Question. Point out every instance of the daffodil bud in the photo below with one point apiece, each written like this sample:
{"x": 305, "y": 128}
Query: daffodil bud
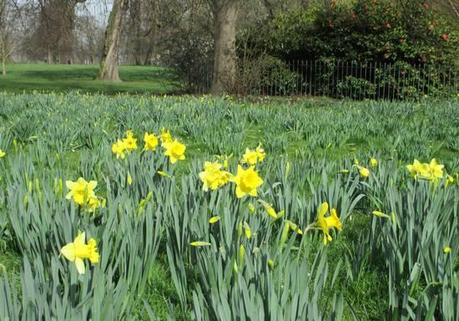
{"x": 241, "y": 255}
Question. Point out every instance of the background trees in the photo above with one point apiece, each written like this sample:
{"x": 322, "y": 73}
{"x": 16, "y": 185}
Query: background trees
{"x": 203, "y": 39}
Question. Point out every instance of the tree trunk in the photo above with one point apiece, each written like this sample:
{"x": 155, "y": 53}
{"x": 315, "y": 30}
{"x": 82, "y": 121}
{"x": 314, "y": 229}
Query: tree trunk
{"x": 3, "y": 61}
{"x": 225, "y": 47}
{"x": 50, "y": 55}
{"x": 453, "y": 6}
{"x": 109, "y": 63}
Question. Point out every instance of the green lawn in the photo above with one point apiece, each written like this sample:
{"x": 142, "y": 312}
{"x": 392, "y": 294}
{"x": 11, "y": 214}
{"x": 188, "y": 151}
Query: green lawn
{"x": 62, "y": 78}
{"x": 388, "y": 267}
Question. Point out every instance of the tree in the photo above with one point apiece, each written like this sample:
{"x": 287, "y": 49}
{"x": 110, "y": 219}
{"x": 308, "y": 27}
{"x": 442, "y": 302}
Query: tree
{"x": 9, "y": 16}
{"x": 55, "y": 32}
{"x": 224, "y": 73}
{"x": 109, "y": 62}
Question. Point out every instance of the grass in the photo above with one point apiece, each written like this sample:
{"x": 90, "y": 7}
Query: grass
{"x": 63, "y": 136}
{"x": 62, "y": 78}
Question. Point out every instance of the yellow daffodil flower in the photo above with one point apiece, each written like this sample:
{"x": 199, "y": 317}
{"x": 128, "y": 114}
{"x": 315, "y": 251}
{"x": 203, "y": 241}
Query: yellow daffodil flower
{"x": 95, "y": 202}
{"x": 2, "y": 153}
{"x": 435, "y": 170}
{"x": 417, "y": 169}
{"x": 150, "y": 141}
{"x": 130, "y": 141}
{"x": 214, "y": 219}
{"x": 81, "y": 190}
{"x": 247, "y": 231}
{"x": 213, "y": 176}
{"x": 329, "y": 222}
{"x": 432, "y": 171}
{"x": 165, "y": 136}
{"x": 447, "y": 249}
{"x": 175, "y": 151}
{"x": 260, "y": 153}
{"x": 119, "y": 149}
{"x": 247, "y": 181}
{"x": 373, "y": 162}
{"x": 252, "y": 157}
{"x": 364, "y": 172}
{"x": 77, "y": 251}
{"x": 129, "y": 179}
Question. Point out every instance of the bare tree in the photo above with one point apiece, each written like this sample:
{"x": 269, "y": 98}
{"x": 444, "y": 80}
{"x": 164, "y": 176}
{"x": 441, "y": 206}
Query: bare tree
{"x": 55, "y": 31}
{"x": 109, "y": 63}
{"x": 9, "y": 16}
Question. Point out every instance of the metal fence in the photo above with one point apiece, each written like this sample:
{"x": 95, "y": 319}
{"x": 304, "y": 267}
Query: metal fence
{"x": 339, "y": 79}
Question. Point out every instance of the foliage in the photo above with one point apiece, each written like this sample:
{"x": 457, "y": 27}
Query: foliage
{"x": 407, "y": 36}
{"x": 312, "y": 149}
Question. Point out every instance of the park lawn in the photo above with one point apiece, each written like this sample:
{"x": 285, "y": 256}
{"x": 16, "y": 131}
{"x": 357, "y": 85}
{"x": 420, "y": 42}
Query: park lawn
{"x": 49, "y": 137}
{"x": 62, "y": 78}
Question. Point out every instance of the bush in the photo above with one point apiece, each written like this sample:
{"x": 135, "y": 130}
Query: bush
{"x": 266, "y": 75}
{"x": 406, "y": 35}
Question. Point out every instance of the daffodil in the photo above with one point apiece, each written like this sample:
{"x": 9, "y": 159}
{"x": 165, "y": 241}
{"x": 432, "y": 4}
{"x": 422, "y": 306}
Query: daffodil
{"x": 163, "y": 174}
{"x": 435, "y": 170}
{"x": 129, "y": 179}
{"x": 95, "y": 202}
{"x": 165, "y": 136}
{"x": 432, "y": 171}
{"x": 214, "y": 219}
{"x": 260, "y": 153}
{"x": 241, "y": 256}
{"x": 271, "y": 211}
{"x": 175, "y": 151}
{"x": 130, "y": 141}
{"x": 447, "y": 249}
{"x": 252, "y": 157}
{"x": 417, "y": 169}
{"x": 150, "y": 141}
{"x": 380, "y": 214}
{"x": 78, "y": 250}
{"x": 247, "y": 231}
{"x": 329, "y": 222}
{"x": 364, "y": 172}
{"x": 289, "y": 226}
{"x": 247, "y": 181}
{"x": 373, "y": 162}
{"x": 119, "y": 149}
{"x": 449, "y": 180}
{"x": 199, "y": 243}
{"x": 81, "y": 191}
{"x": 2, "y": 153}
{"x": 213, "y": 176}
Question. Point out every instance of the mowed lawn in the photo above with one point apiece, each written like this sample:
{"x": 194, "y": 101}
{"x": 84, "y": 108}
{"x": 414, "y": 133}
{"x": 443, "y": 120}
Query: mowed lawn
{"x": 62, "y": 78}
